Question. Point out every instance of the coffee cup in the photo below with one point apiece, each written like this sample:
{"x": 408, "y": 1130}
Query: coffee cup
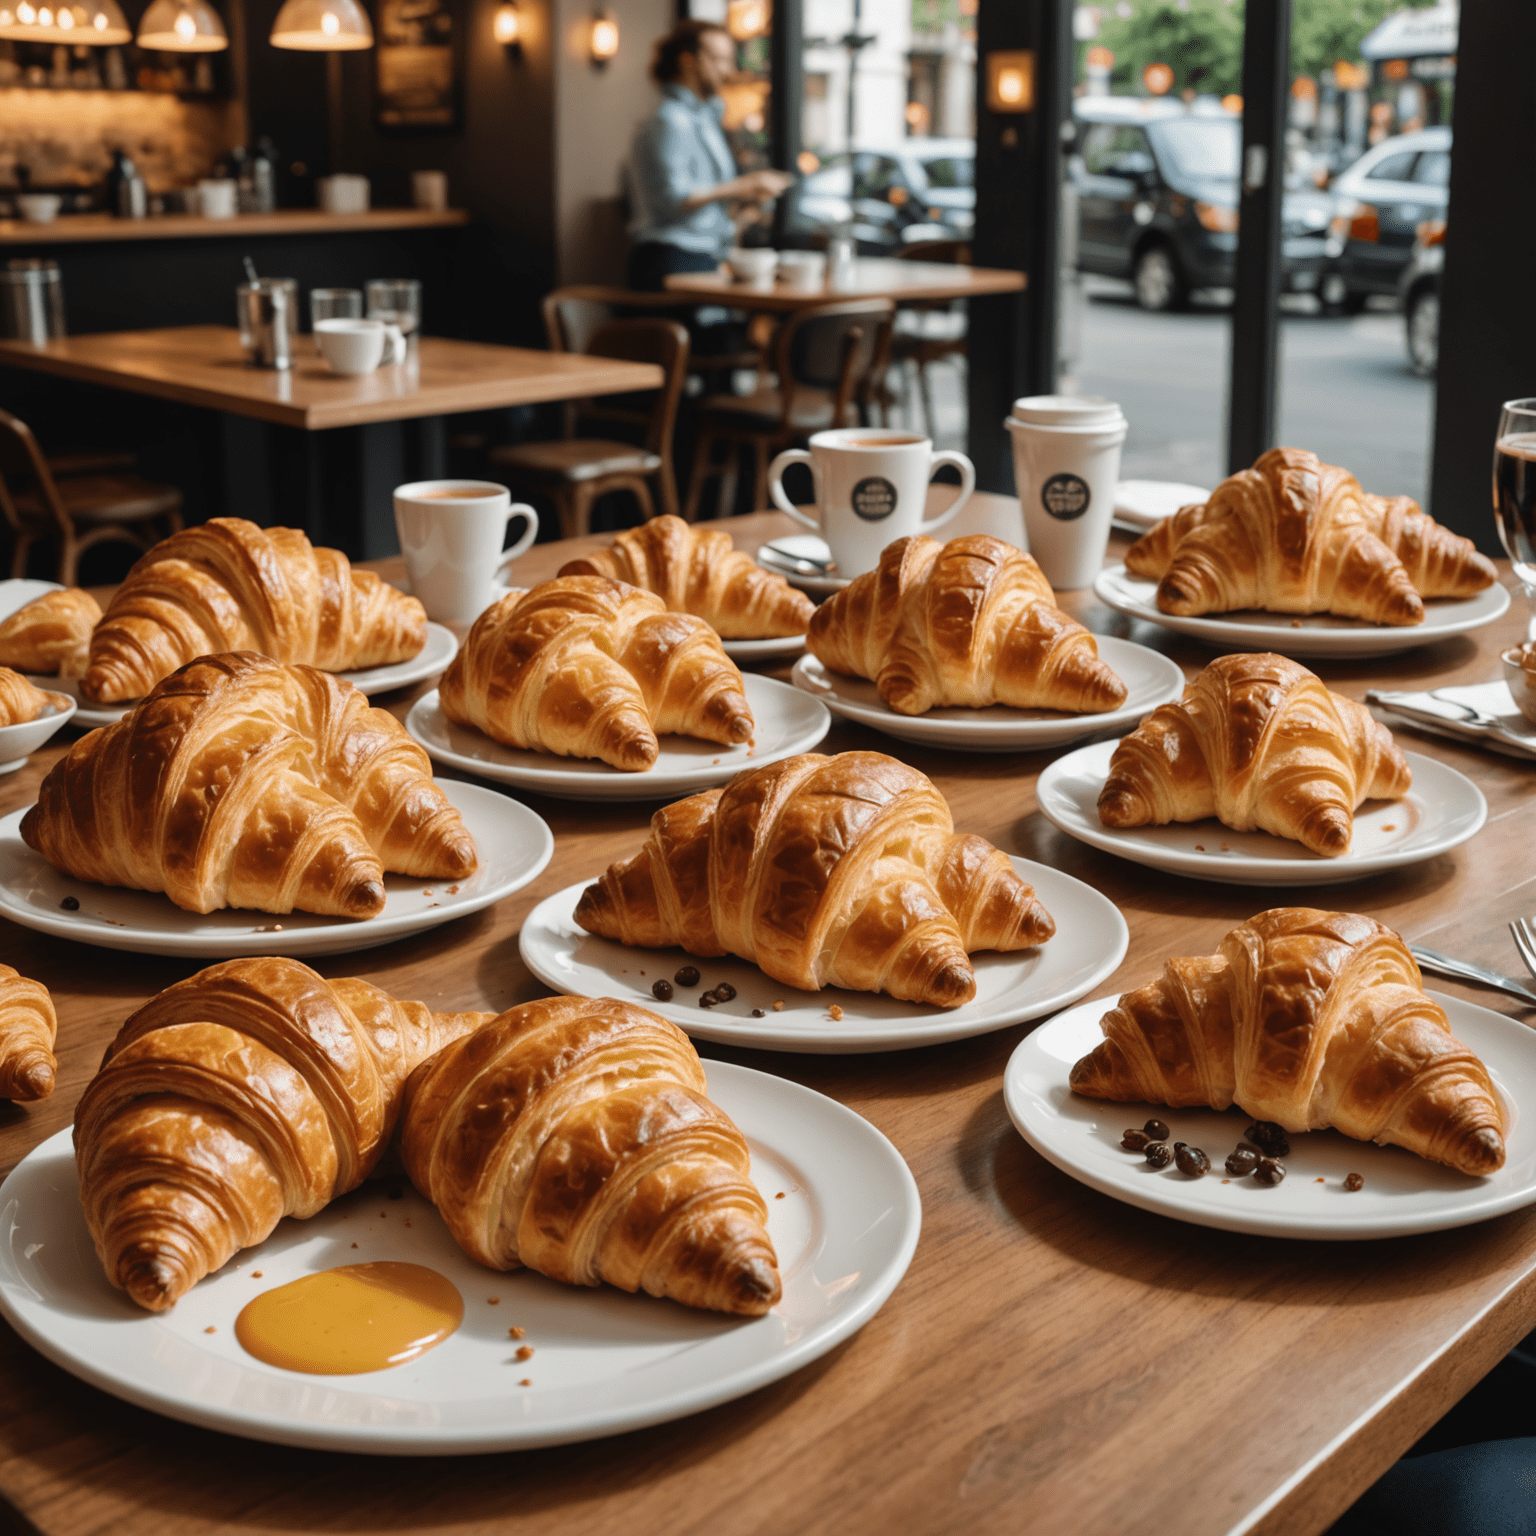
{"x": 1066, "y": 464}
{"x": 871, "y": 489}
{"x": 358, "y": 346}
{"x": 751, "y": 265}
{"x": 804, "y": 270}
{"x": 451, "y": 533}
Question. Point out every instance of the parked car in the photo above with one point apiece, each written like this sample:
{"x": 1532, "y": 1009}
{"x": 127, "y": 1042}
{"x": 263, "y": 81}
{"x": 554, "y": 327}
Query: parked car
{"x": 1419, "y": 288}
{"x": 1158, "y": 195}
{"x": 1383, "y": 199}
{"x": 923, "y": 189}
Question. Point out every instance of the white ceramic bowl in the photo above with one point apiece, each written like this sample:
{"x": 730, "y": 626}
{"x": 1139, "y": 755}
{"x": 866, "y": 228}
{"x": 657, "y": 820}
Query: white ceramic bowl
{"x": 752, "y": 266}
{"x": 19, "y": 742}
{"x": 1522, "y": 684}
{"x": 39, "y": 207}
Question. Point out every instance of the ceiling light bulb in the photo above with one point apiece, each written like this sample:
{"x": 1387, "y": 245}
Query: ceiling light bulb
{"x": 25, "y": 14}
{"x": 508, "y": 25}
{"x": 186, "y": 27}
{"x": 45, "y": 17}
{"x": 66, "y": 19}
{"x": 329, "y": 24}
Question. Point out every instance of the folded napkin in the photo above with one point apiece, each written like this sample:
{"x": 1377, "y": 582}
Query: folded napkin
{"x": 1483, "y": 713}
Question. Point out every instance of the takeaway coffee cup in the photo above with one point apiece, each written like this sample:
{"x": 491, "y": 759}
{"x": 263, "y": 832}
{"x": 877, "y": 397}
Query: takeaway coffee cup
{"x": 871, "y": 489}
{"x": 1066, "y": 463}
{"x": 451, "y": 533}
{"x": 359, "y": 346}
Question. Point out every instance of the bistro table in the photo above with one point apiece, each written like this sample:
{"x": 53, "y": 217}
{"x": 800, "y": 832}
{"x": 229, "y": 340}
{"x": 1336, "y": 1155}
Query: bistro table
{"x": 873, "y": 277}
{"x": 1054, "y": 1361}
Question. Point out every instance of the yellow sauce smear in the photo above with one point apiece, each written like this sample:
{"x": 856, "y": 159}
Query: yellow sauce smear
{"x": 360, "y": 1317}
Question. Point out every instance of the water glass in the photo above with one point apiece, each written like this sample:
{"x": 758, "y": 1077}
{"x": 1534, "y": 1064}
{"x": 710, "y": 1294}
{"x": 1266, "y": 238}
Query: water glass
{"x": 334, "y": 304}
{"x": 1514, "y": 491}
{"x": 396, "y": 300}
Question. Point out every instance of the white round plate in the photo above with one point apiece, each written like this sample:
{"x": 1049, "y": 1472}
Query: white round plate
{"x": 810, "y": 546}
{"x": 787, "y": 722}
{"x": 21, "y": 590}
{"x": 764, "y": 650}
{"x": 1403, "y": 1193}
{"x": 604, "y": 1361}
{"x": 434, "y": 656}
{"x": 1146, "y": 503}
{"x": 1151, "y": 679}
{"x": 19, "y": 742}
{"x": 514, "y": 846}
{"x": 1443, "y": 809}
{"x": 1090, "y": 941}
{"x": 1314, "y": 634}
{"x": 499, "y": 589}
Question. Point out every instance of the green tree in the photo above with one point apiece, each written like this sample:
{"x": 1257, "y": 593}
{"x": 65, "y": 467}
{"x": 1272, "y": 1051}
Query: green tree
{"x": 1325, "y": 31}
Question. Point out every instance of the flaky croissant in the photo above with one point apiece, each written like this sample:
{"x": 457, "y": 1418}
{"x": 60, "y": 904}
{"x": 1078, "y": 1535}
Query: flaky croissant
{"x": 51, "y": 634}
{"x": 1257, "y": 742}
{"x": 573, "y": 1136}
{"x": 243, "y": 783}
{"x": 971, "y": 622}
{"x": 228, "y": 585}
{"x": 28, "y": 1027}
{"x": 1294, "y": 535}
{"x": 827, "y": 872}
{"x": 698, "y": 570}
{"x": 1309, "y": 1019}
{"x": 20, "y": 701}
{"x": 585, "y": 666}
{"x": 251, "y": 1091}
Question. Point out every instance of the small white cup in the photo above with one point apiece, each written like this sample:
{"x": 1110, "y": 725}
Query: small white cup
{"x": 752, "y": 266}
{"x": 803, "y": 269}
{"x": 343, "y": 193}
{"x": 429, "y": 189}
{"x": 451, "y": 533}
{"x": 871, "y": 489}
{"x": 39, "y": 207}
{"x": 353, "y": 347}
{"x": 1066, "y": 464}
{"x": 218, "y": 199}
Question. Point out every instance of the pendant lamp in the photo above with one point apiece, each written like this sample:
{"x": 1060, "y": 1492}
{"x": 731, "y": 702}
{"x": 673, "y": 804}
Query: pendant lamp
{"x": 182, "y": 26}
{"x": 321, "y": 26}
{"x": 97, "y": 22}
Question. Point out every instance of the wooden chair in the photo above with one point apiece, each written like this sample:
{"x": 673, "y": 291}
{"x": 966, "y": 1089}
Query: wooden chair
{"x": 923, "y": 343}
{"x": 826, "y": 358}
{"x": 79, "y": 509}
{"x": 577, "y": 470}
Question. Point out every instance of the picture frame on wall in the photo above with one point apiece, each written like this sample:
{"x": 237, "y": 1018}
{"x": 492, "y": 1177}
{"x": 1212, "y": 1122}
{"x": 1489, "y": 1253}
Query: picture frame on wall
{"x": 418, "y": 68}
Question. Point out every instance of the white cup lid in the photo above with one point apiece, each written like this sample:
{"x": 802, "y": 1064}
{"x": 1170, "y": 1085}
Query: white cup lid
{"x": 1067, "y": 411}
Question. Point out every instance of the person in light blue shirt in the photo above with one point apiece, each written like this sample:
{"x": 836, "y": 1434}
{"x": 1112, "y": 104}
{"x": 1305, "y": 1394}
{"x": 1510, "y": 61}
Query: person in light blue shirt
{"x": 685, "y": 194}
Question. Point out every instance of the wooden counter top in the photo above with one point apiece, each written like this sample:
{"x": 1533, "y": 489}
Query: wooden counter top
{"x": 81, "y": 228}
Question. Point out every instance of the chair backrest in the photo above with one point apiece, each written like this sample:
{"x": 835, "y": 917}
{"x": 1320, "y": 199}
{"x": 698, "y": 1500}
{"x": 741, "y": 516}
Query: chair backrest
{"x": 572, "y": 315}
{"x": 663, "y": 342}
{"x": 22, "y": 461}
{"x": 833, "y": 347}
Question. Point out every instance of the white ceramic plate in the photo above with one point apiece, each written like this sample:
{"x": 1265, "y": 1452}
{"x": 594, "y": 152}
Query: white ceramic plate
{"x": 1402, "y": 1194}
{"x": 1090, "y": 941}
{"x": 514, "y": 846}
{"x": 19, "y": 742}
{"x": 1150, "y": 679}
{"x": 788, "y": 722}
{"x": 1146, "y": 503}
{"x": 1443, "y": 809}
{"x": 604, "y": 1361}
{"x": 764, "y": 650}
{"x": 1317, "y": 634}
{"x": 434, "y": 656}
{"x": 19, "y": 591}
{"x": 810, "y": 546}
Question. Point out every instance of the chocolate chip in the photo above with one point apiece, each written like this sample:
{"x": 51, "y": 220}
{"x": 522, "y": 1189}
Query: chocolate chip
{"x": 1269, "y": 1138}
{"x": 662, "y": 990}
{"x": 1270, "y": 1171}
{"x": 1156, "y": 1130}
{"x": 707, "y": 1000}
{"x": 1242, "y": 1162}
{"x": 1134, "y": 1140}
{"x": 1353, "y": 1181}
{"x": 759, "y": 1013}
{"x": 1191, "y": 1160}
{"x": 1159, "y": 1154}
{"x": 71, "y": 903}
{"x": 725, "y": 991}
{"x": 687, "y": 976}
{"x": 396, "y": 1192}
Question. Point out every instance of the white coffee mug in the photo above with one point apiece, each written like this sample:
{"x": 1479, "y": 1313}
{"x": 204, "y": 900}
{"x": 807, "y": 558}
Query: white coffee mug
{"x": 871, "y": 489}
{"x": 451, "y": 533}
{"x": 429, "y": 189}
{"x": 1066, "y": 464}
{"x": 803, "y": 270}
{"x": 359, "y": 346}
{"x": 216, "y": 199}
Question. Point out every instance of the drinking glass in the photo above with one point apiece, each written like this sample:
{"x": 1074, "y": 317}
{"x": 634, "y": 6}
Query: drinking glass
{"x": 1514, "y": 491}
{"x": 334, "y": 304}
{"x": 397, "y": 300}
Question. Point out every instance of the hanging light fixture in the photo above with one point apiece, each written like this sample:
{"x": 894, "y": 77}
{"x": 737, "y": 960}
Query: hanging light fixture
{"x": 182, "y": 26}
{"x": 100, "y": 23}
{"x": 507, "y": 26}
{"x": 603, "y": 40}
{"x": 322, "y": 26}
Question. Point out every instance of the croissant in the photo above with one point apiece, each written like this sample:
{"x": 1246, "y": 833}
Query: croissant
{"x": 20, "y": 701}
{"x": 1294, "y": 535}
{"x": 699, "y": 571}
{"x": 585, "y": 666}
{"x": 251, "y": 1091}
{"x": 51, "y": 634}
{"x": 573, "y": 1136}
{"x": 27, "y": 1030}
{"x": 826, "y": 872}
{"x": 228, "y": 585}
{"x": 1257, "y": 742}
{"x": 243, "y": 783}
{"x": 1309, "y": 1019}
{"x": 971, "y": 622}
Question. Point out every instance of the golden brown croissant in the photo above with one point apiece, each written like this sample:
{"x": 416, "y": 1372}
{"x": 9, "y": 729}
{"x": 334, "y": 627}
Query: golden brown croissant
{"x": 572, "y": 1135}
{"x": 1309, "y": 1019}
{"x": 20, "y": 701}
{"x": 27, "y": 1030}
{"x": 698, "y": 570}
{"x": 243, "y": 783}
{"x": 1294, "y": 535}
{"x": 228, "y": 585}
{"x": 251, "y": 1091}
{"x": 51, "y": 634}
{"x": 827, "y": 872}
{"x": 585, "y": 666}
{"x": 971, "y": 622}
{"x": 1257, "y": 742}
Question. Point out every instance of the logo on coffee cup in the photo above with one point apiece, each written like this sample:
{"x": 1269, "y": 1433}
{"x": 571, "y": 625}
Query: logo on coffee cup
{"x": 1065, "y": 496}
{"x": 874, "y": 498}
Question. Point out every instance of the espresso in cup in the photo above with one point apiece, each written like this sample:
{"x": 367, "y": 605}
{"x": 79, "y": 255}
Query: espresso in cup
{"x": 871, "y": 489}
{"x": 451, "y": 532}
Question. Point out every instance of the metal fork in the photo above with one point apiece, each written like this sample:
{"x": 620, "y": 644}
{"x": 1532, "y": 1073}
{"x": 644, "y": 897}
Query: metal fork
{"x": 1464, "y": 970}
{"x": 1523, "y": 932}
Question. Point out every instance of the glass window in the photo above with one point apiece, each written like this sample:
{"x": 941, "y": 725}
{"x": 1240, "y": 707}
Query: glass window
{"x": 951, "y": 171}
{"x": 1205, "y": 147}
{"x": 1433, "y": 169}
{"x": 1111, "y": 151}
{"x": 1394, "y": 168}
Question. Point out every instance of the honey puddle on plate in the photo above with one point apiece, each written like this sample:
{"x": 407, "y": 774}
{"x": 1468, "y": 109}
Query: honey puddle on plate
{"x": 360, "y": 1317}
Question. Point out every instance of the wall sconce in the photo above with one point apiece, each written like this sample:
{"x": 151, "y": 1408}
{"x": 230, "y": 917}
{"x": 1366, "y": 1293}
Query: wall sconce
{"x": 182, "y": 26}
{"x": 99, "y": 22}
{"x": 604, "y": 40}
{"x": 322, "y": 26}
{"x": 1011, "y": 81}
{"x": 746, "y": 19}
{"x": 507, "y": 28}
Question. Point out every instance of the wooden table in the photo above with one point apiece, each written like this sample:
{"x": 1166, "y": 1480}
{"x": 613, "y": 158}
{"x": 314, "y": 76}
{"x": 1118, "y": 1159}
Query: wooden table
{"x": 873, "y": 277}
{"x": 1053, "y": 1362}
{"x": 204, "y": 365}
